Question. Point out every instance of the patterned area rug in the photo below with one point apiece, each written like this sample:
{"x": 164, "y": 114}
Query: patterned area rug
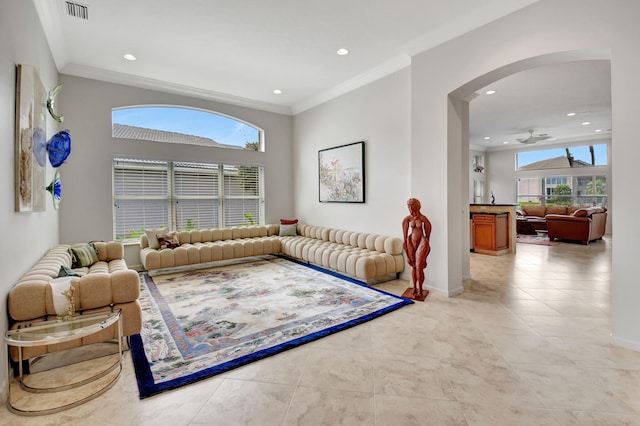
{"x": 197, "y": 324}
{"x": 541, "y": 240}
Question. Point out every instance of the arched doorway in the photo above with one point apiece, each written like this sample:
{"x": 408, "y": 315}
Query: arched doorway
{"x": 458, "y": 131}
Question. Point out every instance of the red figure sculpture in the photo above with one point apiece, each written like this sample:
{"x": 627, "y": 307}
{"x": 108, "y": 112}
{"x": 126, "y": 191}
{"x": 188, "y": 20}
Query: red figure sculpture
{"x": 416, "y": 231}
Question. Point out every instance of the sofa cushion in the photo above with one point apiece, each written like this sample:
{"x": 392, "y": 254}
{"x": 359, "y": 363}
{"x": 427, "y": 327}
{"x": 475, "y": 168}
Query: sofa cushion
{"x": 83, "y": 255}
{"x": 556, "y": 210}
{"x": 152, "y": 237}
{"x": 534, "y": 210}
{"x": 288, "y": 230}
{"x": 168, "y": 240}
{"x": 581, "y": 213}
{"x": 67, "y": 272}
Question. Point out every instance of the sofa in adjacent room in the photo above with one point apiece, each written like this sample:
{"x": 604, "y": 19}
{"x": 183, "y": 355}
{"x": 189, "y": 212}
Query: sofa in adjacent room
{"x": 584, "y": 225}
{"x": 539, "y": 212}
{"x": 571, "y": 223}
{"x": 101, "y": 281}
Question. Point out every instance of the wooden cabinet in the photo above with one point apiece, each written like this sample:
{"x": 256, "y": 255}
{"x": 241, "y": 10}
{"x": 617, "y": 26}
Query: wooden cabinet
{"x": 490, "y": 233}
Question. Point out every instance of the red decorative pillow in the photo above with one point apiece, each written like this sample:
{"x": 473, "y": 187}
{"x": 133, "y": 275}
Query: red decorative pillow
{"x": 288, "y": 221}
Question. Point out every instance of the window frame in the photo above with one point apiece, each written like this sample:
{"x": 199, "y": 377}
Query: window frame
{"x": 547, "y": 183}
{"x": 225, "y": 218}
{"x": 166, "y": 136}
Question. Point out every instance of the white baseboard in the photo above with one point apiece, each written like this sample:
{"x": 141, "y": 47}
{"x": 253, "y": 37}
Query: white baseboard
{"x": 456, "y": 291}
{"x": 625, "y": 343}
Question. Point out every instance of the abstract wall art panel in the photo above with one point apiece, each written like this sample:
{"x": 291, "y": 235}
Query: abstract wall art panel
{"x": 31, "y": 140}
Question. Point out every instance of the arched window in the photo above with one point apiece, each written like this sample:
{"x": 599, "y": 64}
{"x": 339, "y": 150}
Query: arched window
{"x": 183, "y": 125}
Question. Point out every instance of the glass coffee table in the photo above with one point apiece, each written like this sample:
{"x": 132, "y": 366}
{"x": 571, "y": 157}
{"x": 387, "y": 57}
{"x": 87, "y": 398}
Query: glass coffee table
{"x": 70, "y": 388}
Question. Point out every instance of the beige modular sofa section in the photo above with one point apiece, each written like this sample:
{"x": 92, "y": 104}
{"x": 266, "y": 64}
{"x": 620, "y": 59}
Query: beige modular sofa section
{"x": 367, "y": 257}
{"x": 105, "y": 285}
{"x": 201, "y": 246}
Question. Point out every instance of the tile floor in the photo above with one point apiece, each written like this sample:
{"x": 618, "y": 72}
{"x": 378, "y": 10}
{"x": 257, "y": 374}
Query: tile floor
{"x": 527, "y": 343}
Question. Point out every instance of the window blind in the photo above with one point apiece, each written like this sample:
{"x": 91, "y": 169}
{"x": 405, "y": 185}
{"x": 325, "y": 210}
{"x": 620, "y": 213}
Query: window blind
{"x": 196, "y": 195}
{"x": 243, "y": 204}
{"x": 141, "y": 195}
{"x": 183, "y": 196}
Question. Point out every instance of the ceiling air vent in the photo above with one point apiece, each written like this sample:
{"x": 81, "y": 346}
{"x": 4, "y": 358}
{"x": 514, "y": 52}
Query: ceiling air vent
{"x": 77, "y": 10}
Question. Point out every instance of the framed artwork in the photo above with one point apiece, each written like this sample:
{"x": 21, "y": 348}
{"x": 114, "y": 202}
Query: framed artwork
{"x": 31, "y": 140}
{"x": 341, "y": 174}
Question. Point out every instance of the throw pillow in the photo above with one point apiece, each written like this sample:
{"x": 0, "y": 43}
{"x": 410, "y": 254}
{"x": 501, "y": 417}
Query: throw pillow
{"x": 84, "y": 255}
{"x": 288, "y": 221}
{"x": 580, "y": 213}
{"x": 66, "y": 272}
{"x": 168, "y": 240}
{"x": 152, "y": 237}
{"x": 288, "y": 230}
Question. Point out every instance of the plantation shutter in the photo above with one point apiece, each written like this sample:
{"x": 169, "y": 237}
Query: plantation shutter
{"x": 243, "y": 195}
{"x": 141, "y": 197}
{"x": 197, "y": 195}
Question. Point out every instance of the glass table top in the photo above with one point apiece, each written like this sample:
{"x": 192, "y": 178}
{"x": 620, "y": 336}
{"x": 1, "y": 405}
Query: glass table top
{"x": 58, "y": 330}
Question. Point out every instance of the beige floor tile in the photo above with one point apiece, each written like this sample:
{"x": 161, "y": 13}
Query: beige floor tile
{"x": 529, "y": 349}
{"x": 339, "y": 370}
{"x": 568, "y": 326}
{"x": 238, "y": 402}
{"x": 608, "y": 419}
{"x": 492, "y": 415}
{"x": 418, "y": 377}
{"x": 405, "y": 411}
{"x": 530, "y": 307}
{"x": 583, "y": 389}
{"x": 284, "y": 368}
{"x": 596, "y": 353}
{"x": 325, "y": 407}
{"x": 502, "y": 324}
{"x": 476, "y": 381}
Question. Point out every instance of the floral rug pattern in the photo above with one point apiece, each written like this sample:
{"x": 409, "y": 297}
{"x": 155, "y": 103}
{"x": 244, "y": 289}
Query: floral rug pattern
{"x": 204, "y": 322}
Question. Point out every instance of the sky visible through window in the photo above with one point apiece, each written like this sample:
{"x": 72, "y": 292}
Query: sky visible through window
{"x": 222, "y": 129}
{"x": 581, "y": 153}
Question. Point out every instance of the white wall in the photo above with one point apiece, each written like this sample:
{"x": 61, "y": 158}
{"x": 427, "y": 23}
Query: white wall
{"x": 377, "y": 114}
{"x": 27, "y": 236}
{"x": 587, "y": 27}
{"x": 86, "y": 207}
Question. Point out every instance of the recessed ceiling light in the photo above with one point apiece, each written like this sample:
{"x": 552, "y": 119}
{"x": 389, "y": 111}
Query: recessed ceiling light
{"x": 486, "y": 138}
{"x": 505, "y": 142}
{"x": 129, "y": 57}
{"x": 598, "y": 130}
{"x": 586, "y": 123}
{"x": 342, "y": 51}
{"x": 277, "y": 91}
{"x": 571, "y": 114}
{"x": 490, "y": 92}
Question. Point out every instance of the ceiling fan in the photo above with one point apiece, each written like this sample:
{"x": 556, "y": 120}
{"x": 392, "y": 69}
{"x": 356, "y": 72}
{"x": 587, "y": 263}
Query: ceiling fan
{"x": 534, "y": 139}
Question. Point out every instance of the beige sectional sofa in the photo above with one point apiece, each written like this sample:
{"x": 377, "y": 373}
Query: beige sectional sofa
{"x": 105, "y": 285}
{"x": 367, "y": 257}
{"x": 203, "y": 246}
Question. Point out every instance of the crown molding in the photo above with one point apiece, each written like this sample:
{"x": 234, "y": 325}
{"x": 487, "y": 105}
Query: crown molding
{"x": 363, "y": 79}
{"x": 50, "y": 15}
{"x": 167, "y": 87}
{"x": 489, "y": 11}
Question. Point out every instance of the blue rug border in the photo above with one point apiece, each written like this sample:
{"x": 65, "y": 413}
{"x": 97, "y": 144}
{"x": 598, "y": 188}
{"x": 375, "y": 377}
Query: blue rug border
{"x": 148, "y": 388}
